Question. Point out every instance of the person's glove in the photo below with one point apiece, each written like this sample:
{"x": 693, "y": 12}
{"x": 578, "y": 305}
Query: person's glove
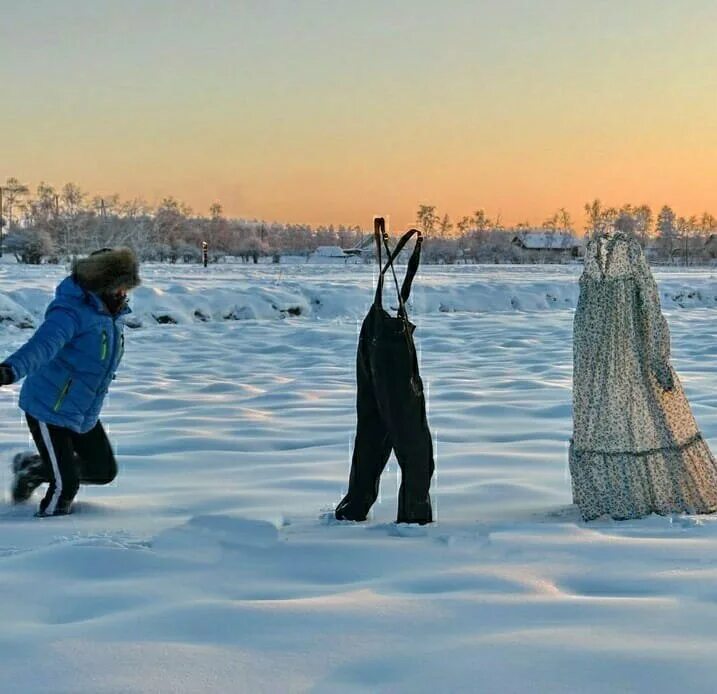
{"x": 663, "y": 375}
{"x": 7, "y": 376}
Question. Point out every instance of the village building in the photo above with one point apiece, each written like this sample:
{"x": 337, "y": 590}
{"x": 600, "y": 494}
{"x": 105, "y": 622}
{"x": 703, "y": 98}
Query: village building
{"x": 331, "y": 254}
{"x": 548, "y": 245}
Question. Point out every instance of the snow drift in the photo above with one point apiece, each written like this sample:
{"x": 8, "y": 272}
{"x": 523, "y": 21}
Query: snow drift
{"x": 189, "y": 294}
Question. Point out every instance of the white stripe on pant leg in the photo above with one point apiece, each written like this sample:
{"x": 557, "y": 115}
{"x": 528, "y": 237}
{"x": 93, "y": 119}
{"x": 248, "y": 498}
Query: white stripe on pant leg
{"x": 55, "y": 468}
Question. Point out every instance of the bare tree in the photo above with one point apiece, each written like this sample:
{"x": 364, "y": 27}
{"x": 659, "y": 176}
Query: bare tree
{"x": 708, "y": 224}
{"x": 598, "y": 217}
{"x": 13, "y": 194}
{"x": 666, "y": 228}
{"x": 643, "y": 222}
{"x": 427, "y": 219}
{"x": 445, "y": 227}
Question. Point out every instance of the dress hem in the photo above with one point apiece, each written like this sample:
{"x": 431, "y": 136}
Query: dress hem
{"x": 650, "y": 451}
{"x": 623, "y": 486}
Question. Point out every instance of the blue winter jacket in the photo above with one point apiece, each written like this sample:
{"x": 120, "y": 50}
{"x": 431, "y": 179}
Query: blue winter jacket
{"x": 71, "y": 359}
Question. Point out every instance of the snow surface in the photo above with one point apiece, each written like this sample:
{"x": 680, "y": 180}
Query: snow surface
{"x": 208, "y": 565}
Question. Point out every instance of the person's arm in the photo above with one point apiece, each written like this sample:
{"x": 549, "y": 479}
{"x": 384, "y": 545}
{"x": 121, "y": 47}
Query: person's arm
{"x": 656, "y": 331}
{"x": 58, "y": 328}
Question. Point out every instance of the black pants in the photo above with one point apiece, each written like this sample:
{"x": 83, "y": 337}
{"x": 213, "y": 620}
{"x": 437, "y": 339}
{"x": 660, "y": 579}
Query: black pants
{"x": 71, "y": 459}
{"x": 391, "y": 412}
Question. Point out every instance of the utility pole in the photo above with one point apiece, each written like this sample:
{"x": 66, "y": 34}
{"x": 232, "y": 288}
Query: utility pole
{"x": 687, "y": 248}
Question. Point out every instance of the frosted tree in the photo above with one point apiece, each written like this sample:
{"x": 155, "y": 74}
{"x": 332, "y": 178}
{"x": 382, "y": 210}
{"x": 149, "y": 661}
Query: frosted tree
{"x": 72, "y": 198}
{"x": 643, "y": 222}
{"x": 598, "y": 217}
{"x": 29, "y": 245}
{"x": 593, "y": 214}
{"x": 550, "y": 225}
{"x": 219, "y": 233}
{"x": 349, "y": 237}
{"x": 427, "y": 219}
{"x": 708, "y": 224}
{"x": 325, "y": 236}
{"x": 560, "y": 221}
{"x": 44, "y": 207}
{"x": 687, "y": 230}
{"x": 463, "y": 225}
{"x": 136, "y": 217}
{"x": 445, "y": 226}
{"x": 13, "y": 193}
{"x": 72, "y": 221}
{"x": 666, "y": 229}
{"x": 565, "y": 220}
{"x": 170, "y": 225}
{"x": 472, "y": 234}
{"x": 481, "y": 221}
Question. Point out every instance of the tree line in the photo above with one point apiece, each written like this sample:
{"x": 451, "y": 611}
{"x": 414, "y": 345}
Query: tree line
{"x": 55, "y": 224}
{"x": 480, "y": 238}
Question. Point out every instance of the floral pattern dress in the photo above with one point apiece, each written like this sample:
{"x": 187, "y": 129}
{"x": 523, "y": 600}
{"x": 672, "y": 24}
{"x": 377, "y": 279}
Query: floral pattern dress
{"x": 636, "y": 448}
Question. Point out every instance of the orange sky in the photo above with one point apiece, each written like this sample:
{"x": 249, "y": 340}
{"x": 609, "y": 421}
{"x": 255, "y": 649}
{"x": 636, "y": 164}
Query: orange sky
{"x": 333, "y": 112}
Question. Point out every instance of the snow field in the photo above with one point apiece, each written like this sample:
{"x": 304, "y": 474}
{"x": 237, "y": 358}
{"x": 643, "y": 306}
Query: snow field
{"x": 212, "y": 563}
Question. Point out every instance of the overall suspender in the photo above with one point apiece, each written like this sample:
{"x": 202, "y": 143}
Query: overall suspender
{"x": 381, "y": 236}
{"x": 405, "y": 290}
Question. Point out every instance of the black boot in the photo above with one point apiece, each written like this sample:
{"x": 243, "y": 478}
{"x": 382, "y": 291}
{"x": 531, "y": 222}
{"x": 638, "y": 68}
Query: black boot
{"x": 350, "y": 511}
{"x": 63, "y": 508}
{"x": 29, "y": 473}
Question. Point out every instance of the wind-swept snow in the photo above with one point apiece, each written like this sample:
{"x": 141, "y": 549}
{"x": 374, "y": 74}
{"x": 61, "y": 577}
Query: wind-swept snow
{"x": 212, "y": 564}
{"x": 189, "y": 294}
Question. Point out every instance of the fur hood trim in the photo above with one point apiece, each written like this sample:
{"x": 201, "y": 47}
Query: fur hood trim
{"x": 107, "y": 271}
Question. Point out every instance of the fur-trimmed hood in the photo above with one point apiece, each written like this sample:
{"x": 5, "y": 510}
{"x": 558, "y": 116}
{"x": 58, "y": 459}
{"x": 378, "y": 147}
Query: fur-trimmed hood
{"x": 107, "y": 271}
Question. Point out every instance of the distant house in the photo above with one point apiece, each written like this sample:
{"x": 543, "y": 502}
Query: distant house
{"x": 331, "y": 254}
{"x": 364, "y": 251}
{"x": 548, "y": 244}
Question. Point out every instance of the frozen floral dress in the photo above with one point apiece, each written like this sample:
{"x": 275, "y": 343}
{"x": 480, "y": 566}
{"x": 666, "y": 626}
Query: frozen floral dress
{"x": 636, "y": 448}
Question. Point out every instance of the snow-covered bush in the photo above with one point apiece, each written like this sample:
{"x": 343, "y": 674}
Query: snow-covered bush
{"x": 29, "y": 245}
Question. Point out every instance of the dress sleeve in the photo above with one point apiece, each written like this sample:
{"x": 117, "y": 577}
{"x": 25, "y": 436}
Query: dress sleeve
{"x": 655, "y": 327}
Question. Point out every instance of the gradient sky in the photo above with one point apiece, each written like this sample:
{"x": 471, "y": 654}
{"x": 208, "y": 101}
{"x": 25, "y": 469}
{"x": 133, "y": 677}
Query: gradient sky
{"x": 333, "y": 111}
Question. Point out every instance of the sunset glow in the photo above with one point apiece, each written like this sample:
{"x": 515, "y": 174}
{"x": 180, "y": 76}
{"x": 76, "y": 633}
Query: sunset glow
{"x": 332, "y": 112}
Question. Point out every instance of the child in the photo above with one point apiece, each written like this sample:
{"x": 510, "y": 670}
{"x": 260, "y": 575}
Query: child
{"x": 69, "y": 364}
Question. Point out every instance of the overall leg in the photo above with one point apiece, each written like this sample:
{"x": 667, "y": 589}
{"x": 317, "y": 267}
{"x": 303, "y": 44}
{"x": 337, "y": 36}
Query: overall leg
{"x": 55, "y": 447}
{"x": 415, "y": 457}
{"x": 404, "y": 409}
{"x": 372, "y": 447}
{"x": 95, "y": 457}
